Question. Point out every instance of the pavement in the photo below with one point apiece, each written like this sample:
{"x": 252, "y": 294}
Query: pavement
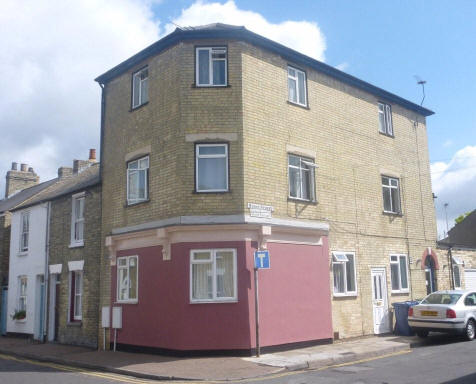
{"x": 159, "y": 367}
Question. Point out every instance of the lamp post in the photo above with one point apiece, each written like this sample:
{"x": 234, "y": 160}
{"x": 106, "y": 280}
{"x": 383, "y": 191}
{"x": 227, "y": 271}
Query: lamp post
{"x": 446, "y": 215}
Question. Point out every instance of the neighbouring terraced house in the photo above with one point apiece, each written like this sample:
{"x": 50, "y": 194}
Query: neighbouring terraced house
{"x": 217, "y": 142}
{"x": 55, "y": 257}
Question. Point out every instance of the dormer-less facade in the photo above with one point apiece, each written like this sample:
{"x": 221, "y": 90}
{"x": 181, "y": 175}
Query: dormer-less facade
{"x": 218, "y": 142}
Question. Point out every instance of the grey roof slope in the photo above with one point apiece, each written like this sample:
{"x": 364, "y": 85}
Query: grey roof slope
{"x": 76, "y": 183}
{"x": 225, "y": 31}
{"x": 24, "y": 195}
{"x": 463, "y": 234}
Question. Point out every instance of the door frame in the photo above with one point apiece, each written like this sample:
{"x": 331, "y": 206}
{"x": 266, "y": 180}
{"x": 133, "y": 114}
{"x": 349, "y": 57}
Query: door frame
{"x": 383, "y": 272}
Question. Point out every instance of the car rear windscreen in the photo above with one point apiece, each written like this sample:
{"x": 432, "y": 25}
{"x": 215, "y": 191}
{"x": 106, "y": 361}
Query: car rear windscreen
{"x": 442, "y": 298}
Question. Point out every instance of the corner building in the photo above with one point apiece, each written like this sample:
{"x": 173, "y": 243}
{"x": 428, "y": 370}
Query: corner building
{"x": 217, "y": 142}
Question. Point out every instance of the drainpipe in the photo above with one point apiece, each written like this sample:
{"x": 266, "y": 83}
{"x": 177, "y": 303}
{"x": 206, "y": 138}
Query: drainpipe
{"x": 450, "y": 263}
{"x": 46, "y": 275}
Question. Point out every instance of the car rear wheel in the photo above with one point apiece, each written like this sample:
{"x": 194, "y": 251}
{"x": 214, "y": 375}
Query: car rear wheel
{"x": 470, "y": 330}
{"x": 422, "y": 334}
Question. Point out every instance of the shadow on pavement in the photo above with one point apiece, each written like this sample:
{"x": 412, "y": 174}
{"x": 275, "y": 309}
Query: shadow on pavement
{"x": 468, "y": 379}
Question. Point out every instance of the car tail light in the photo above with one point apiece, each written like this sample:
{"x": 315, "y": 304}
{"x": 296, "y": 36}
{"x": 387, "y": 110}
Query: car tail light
{"x": 450, "y": 314}
{"x": 410, "y": 311}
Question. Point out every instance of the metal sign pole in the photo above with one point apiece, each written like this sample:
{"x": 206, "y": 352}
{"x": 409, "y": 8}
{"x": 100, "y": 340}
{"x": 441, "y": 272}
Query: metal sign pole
{"x": 257, "y": 313}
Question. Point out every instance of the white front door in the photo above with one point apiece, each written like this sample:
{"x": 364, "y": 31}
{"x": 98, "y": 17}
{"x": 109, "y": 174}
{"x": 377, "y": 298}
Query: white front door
{"x": 379, "y": 301}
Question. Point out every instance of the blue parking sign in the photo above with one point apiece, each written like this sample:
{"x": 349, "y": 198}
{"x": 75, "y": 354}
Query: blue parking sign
{"x": 262, "y": 260}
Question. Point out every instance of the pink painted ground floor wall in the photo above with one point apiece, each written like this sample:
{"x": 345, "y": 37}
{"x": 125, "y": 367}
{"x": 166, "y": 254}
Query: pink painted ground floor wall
{"x": 295, "y": 304}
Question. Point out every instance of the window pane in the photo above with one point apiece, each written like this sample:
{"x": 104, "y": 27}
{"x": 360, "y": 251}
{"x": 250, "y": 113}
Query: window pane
{"x": 132, "y": 278}
{"x": 403, "y": 272}
{"x": 202, "y": 281}
{"x": 203, "y": 67}
{"x": 142, "y": 185}
{"x": 395, "y": 200}
{"x": 385, "y": 180}
{"x": 306, "y": 184}
{"x": 144, "y": 91}
{"x": 212, "y": 150}
{"x": 123, "y": 284}
{"x": 136, "y": 91}
{"x": 133, "y": 165}
{"x": 202, "y": 256}
{"x": 294, "y": 160}
{"x": 219, "y": 72}
{"x": 291, "y": 72}
{"x": 339, "y": 286}
{"x": 144, "y": 163}
{"x": 350, "y": 274}
{"x": 133, "y": 192}
{"x": 387, "y": 205}
{"x": 212, "y": 174}
{"x": 456, "y": 276}
{"x": 292, "y": 90}
{"x": 388, "y": 118}
{"x": 302, "y": 93}
{"x": 395, "y": 277}
{"x": 224, "y": 270}
{"x": 381, "y": 122}
{"x": 294, "y": 183}
{"x": 393, "y": 182}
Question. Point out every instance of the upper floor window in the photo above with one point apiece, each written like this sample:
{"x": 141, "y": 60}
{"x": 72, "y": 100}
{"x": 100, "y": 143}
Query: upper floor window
{"x": 127, "y": 278}
{"x": 76, "y": 296}
{"x": 211, "y": 167}
{"x": 399, "y": 273}
{"x": 77, "y": 220}
{"x": 213, "y": 275}
{"x": 137, "y": 180}
{"x": 391, "y": 195}
{"x": 140, "y": 87}
{"x": 211, "y": 66}
{"x": 297, "y": 86}
{"x": 24, "y": 231}
{"x": 385, "y": 119}
{"x": 301, "y": 178}
{"x": 343, "y": 269}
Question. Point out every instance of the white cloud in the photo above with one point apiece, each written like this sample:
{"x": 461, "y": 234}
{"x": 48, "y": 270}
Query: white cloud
{"x": 447, "y": 143}
{"x": 51, "y": 52}
{"x": 342, "y": 66}
{"x": 454, "y": 183}
{"x": 303, "y": 36}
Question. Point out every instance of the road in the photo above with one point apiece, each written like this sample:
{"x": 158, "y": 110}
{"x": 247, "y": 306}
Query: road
{"x": 442, "y": 360}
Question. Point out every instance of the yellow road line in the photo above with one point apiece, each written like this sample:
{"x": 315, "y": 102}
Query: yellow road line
{"x": 132, "y": 380}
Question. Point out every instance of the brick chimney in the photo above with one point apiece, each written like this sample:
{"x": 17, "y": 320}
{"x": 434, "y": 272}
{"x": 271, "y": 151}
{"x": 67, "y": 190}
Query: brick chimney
{"x": 64, "y": 172}
{"x": 18, "y": 180}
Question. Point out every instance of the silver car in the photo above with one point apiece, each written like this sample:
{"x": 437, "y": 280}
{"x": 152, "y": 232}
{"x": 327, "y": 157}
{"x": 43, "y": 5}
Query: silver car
{"x": 445, "y": 311}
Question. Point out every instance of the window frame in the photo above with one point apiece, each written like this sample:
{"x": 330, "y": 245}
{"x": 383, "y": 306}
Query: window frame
{"x": 210, "y": 49}
{"x": 20, "y": 296}
{"x": 312, "y": 186}
{"x": 295, "y": 78}
{"x": 24, "y": 215}
{"x": 146, "y": 179}
{"x": 397, "y": 188}
{"x": 73, "y": 296}
{"x": 118, "y": 285}
{"x": 334, "y": 257}
{"x": 456, "y": 267}
{"x": 214, "y": 299}
{"x": 227, "y": 166}
{"x": 387, "y": 119}
{"x": 397, "y": 262}
{"x": 141, "y": 81}
{"x": 74, "y": 220}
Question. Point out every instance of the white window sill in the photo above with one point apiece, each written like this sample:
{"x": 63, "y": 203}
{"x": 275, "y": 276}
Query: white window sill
{"x": 402, "y": 291}
{"x": 76, "y": 245}
{"x": 214, "y": 301}
{"x": 25, "y": 253}
{"x": 353, "y": 294}
{"x": 126, "y": 302}
{"x": 212, "y": 190}
{"x": 211, "y": 85}
{"x": 20, "y": 321}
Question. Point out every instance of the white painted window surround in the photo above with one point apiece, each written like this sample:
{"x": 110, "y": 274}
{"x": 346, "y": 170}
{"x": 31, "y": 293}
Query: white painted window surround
{"x": 137, "y": 180}
{"x": 213, "y": 275}
{"x": 301, "y": 178}
{"x": 140, "y": 87}
{"x": 399, "y": 273}
{"x": 344, "y": 272}
{"x": 75, "y": 295}
{"x": 127, "y": 279}
{"x": 211, "y": 67}
{"x": 211, "y": 167}
{"x": 77, "y": 220}
{"x": 24, "y": 231}
{"x": 391, "y": 195}
{"x": 297, "y": 92}
{"x": 385, "y": 119}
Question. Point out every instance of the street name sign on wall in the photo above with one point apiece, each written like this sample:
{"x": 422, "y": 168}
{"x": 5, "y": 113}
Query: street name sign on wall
{"x": 260, "y": 210}
{"x": 262, "y": 260}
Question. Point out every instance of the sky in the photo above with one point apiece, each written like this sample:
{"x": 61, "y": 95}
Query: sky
{"x": 52, "y": 51}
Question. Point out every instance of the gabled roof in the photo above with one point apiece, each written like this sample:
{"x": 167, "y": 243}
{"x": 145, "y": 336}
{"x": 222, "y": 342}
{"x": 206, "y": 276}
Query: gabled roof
{"x": 76, "y": 183}
{"x": 24, "y": 195}
{"x": 463, "y": 234}
{"x": 225, "y": 31}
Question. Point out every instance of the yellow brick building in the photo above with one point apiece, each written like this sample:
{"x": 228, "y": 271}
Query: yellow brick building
{"x": 307, "y": 146}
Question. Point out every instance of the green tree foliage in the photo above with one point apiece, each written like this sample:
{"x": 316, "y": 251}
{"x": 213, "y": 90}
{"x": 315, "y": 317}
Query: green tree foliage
{"x": 460, "y": 218}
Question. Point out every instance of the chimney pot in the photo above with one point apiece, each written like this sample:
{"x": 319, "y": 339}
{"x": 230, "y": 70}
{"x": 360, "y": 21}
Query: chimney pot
{"x": 14, "y": 166}
{"x": 24, "y": 167}
{"x": 92, "y": 155}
